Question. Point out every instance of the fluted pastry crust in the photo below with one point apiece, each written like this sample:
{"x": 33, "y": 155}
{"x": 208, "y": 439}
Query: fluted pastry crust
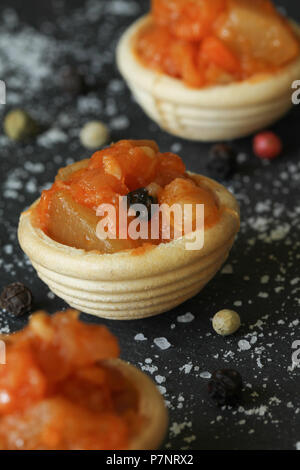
{"x": 151, "y": 407}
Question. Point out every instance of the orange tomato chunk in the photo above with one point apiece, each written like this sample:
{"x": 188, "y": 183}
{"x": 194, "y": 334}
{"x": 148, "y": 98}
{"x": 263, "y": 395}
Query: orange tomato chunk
{"x": 186, "y": 192}
{"x": 216, "y": 52}
{"x": 188, "y": 19}
{"x": 56, "y": 393}
{"x": 216, "y": 42}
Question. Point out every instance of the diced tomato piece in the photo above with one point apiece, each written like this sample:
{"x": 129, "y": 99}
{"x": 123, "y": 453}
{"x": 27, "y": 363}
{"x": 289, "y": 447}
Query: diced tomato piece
{"x": 184, "y": 56}
{"x": 92, "y": 188}
{"x": 21, "y": 380}
{"x": 138, "y": 162}
{"x": 213, "y": 50}
{"x": 153, "y": 46}
{"x": 58, "y": 424}
{"x": 183, "y": 191}
{"x": 75, "y": 344}
{"x": 258, "y": 32}
{"x": 188, "y": 19}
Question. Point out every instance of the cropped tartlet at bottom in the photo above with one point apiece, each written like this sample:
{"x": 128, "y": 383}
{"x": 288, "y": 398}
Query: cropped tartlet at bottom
{"x": 67, "y": 389}
{"x": 210, "y": 114}
{"x": 151, "y": 407}
{"x": 129, "y": 285}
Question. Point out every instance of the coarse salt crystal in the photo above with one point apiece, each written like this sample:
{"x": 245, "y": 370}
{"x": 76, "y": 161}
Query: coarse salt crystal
{"x": 162, "y": 343}
{"x": 186, "y": 318}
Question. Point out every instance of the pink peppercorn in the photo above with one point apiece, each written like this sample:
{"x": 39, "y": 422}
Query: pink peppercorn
{"x": 267, "y": 145}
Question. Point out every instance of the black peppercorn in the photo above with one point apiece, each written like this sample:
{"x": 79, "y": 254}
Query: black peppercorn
{"x": 16, "y": 299}
{"x": 141, "y": 196}
{"x": 221, "y": 163}
{"x": 72, "y": 81}
{"x": 225, "y": 387}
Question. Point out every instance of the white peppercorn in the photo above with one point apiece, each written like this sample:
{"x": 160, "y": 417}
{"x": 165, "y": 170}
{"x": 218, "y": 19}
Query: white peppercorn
{"x": 226, "y": 322}
{"x": 19, "y": 125}
{"x": 94, "y": 135}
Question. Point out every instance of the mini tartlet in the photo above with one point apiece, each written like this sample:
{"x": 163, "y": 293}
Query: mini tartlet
{"x": 151, "y": 407}
{"x": 66, "y": 389}
{"x": 142, "y": 281}
{"x": 212, "y": 113}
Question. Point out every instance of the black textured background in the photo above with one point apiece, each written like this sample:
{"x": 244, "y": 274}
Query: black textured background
{"x": 261, "y": 280}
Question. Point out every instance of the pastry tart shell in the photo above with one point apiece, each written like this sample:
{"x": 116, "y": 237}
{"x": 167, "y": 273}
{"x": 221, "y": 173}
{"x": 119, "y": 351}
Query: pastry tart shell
{"x": 151, "y": 407}
{"x": 131, "y": 285}
{"x": 210, "y": 114}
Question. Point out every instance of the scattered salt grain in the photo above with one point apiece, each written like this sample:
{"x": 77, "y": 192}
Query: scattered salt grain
{"x": 162, "y": 343}
{"x": 244, "y": 345}
{"x": 177, "y": 428}
{"x": 52, "y": 137}
{"x": 34, "y": 167}
{"x": 263, "y": 295}
{"x": 4, "y": 325}
{"x": 122, "y": 7}
{"x": 186, "y": 318}
{"x": 162, "y": 389}
{"x": 176, "y": 147}
{"x": 140, "y": 337}
{"x": 149, "y": 368}
{"x": 160, "y": 379}
{"x": 186, "y": 368}
{"x": 31, "y": 186}
{"x": 205, "y": 375}
{"x": 189, "y": 439}
{"x": 119, "y": 123}
{"x": 8, "y": 249}
{"x": 280, "y": 233}
{"x": 228, "y": 269}
{"x": 265, "y": 279}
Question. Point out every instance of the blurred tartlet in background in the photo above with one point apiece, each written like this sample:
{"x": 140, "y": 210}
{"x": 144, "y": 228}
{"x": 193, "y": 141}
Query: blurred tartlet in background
{"x": 211, "y": 70}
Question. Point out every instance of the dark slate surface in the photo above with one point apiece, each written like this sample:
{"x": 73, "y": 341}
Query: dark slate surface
{"x": 261, "y": 278}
